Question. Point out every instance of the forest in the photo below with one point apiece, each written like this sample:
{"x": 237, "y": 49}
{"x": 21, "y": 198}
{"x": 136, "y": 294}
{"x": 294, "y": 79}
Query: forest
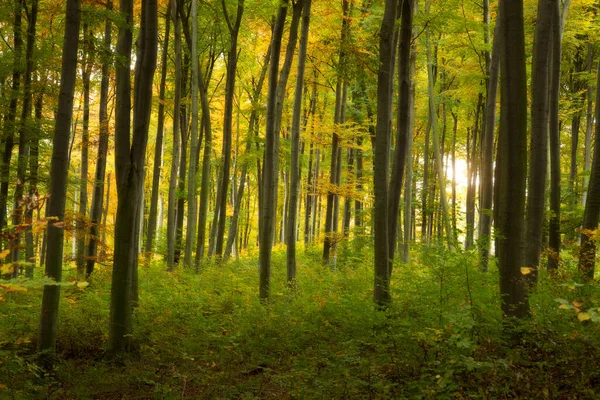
{"x": 289, "y": 199}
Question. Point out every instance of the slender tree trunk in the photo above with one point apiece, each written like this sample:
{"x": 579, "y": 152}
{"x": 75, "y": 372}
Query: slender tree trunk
{"x": 130, "y": 156}
{"x": 587, "y": 252}
{"x": 184, "y": 133}
{"x": 589, "y": 126}
{"x": 425, "y": 186}
{"x": 554, "y": 237}
{"x": 408, "y": 187}
{"x": 232, "y": 55}
{"x": 86, "y": 70}
{"x": 194, "y": 145}
{"x": 58, "y": 173}
{"x": 268, "y": 195}
{"x": 403, "y": 122}
{"x": 98, "y": 194}
{"x": 31, "y": 241}
{"x": 25, "y": 139}
{"x": 158, "y": 148}
{"x": 436, "y": 141}
{"x": 487, "y": 160}
{"x": 252, "y": 131}
{"x": 171, "y": 213}
{"x": 331, "y": 225}
{"x": 8, "y": 133}
{"x": 295, "y": 147}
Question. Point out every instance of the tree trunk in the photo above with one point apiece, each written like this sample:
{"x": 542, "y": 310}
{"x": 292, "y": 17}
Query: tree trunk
{"x": 204, "y": 184}
{"x": 98, "y": 194}
{"x": 8, "y": 133}
{"x": 554, "y": 238}
{"x": 436, "y": 141}
{"x": 587, "y": 252}
{"x": 129, "y": 163}
{"x": 487, "y": 160}
{"x": 512, "y": 162}
{"x": 25, "y": 140}
{"x": 171, "y": 213}
{"x": 252, "y": 131}
{"x": 331, "y": 214}
{"x": 232, "y": 55}
{"x": 385, "y": 81}
{"x": 86, "y": 70}
{"x": 589, "y": 125}
{"x": 194, "y": 143}
{"x": 295, "y": 147}
{"x": 268, "y": 195}
{"x": 403, "y": 122}
{"x": 58, "y": 174}
{"x": 152, "y": 219}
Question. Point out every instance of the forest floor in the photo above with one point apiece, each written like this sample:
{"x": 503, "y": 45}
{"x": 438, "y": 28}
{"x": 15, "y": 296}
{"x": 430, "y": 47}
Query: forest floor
{"x": 207, "y": 336}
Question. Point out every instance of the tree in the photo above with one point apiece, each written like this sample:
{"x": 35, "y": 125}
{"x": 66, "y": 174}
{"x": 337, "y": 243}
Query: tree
{"x": 130, "y": 157}
{"x": 268, "y": 198}
{"x": 194, "y": 147}
{"x": 8, "y": 133}
{"x": 25, "y": 133}
{"x": 58, "y": 176}
{"x": 512, "y": 161}
{"x": 232, "y": 56}
{"x": 172, "y": 212}
{"x": 98, "y": 193}
{"x": 295, "y": 147}
{"x": 152, "y": 218}
{"x": 385, "y": 80}
{"x": 332, "y": 211}
{"x": 587, "y": 252}
{"x": 86, "y": 71}
{"x": 487, "y": 160}
{"x": 403, "y": 122}
{"x": 538, "y": 156}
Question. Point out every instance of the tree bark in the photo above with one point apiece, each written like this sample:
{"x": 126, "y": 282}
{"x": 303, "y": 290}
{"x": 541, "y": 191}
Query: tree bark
{"x": 487, "y": 161}
{"x": 152, "y": 219}
{"x": 554, "y": 237}
{"x": 25, "y": 140}
{"x": 130, "y": 155}
{"x": 403, "y": 122}
{"x": 171, "y": 213}
{"x": 58, "y": 182}
{"x": 268, "y": 196}
{"x": 86, "y": 71}
{"x": 232, "y": 55}
{"x": 295, "y": 148}
{"x": 512, "y": 149}
{"x": 8, "y": 133}
{"x": 385, "y": 81}
{"x": 587, "y": 252}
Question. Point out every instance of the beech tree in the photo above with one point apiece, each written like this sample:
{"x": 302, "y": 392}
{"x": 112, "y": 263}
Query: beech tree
{"x": 58, "y": 175}
{"x": 512, "y": 162}
{"x": 130, "y": 156}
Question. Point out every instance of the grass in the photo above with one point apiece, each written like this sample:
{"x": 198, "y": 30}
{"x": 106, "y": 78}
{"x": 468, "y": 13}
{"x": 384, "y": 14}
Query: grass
{"x": 207, "y": 336}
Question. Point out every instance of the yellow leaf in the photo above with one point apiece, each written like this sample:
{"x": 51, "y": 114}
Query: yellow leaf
{"x": 526, "y": 270}
{"x": 583, "y": 316}
{"x": 4, "y": 253}
{"x": 3, "y": 386}
{"x": 564, "y": 307}
{"x": 82, "y": 285}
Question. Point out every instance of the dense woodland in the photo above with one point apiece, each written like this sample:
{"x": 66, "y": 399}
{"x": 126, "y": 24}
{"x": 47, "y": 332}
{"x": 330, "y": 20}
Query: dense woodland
{"x": 299, "y": 199}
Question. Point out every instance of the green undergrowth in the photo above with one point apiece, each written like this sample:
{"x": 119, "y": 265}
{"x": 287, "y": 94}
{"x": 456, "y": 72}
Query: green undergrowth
{"x": 207, "y": 335}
